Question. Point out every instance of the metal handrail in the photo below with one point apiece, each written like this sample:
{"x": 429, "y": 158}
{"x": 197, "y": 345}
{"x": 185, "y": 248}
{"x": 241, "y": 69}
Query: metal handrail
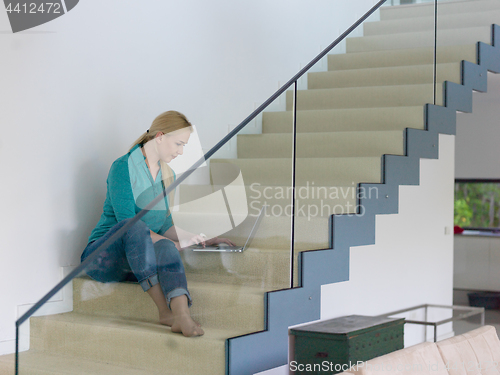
{"x": 185, "y": 175}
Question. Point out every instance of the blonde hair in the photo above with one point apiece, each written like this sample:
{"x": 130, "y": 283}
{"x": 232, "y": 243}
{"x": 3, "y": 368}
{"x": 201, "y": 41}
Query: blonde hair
{"x": 166, "y": 123}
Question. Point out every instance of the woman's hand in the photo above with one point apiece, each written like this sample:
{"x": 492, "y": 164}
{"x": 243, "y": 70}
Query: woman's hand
{"x": 217, "y": 240}
{"x": 194, "y": 240}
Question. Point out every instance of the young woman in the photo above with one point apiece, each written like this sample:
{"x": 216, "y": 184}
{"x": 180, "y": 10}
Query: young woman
{"x": 150, "y": 248}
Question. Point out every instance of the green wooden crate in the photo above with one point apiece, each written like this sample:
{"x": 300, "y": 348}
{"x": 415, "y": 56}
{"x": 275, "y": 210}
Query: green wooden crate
{"x": 332, "y": 346}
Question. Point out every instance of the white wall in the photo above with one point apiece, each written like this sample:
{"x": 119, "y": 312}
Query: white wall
{"x": 412, "y": 260}
{"x": 477, "y": 155}
{"x": 478, "y": 135}
{"x": 76, "y": 92}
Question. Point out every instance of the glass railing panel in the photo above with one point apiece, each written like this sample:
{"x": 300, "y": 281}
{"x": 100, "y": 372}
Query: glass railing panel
{"x": 434, "y": 323}
{"x": 354, "y": 109}
{"x": 252, "y": 176}
{"x": 129, "y": 303}
{"x": 232, "y": 200}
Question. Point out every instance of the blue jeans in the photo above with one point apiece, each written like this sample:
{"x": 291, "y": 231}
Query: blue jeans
{"x": 135, "y": 253}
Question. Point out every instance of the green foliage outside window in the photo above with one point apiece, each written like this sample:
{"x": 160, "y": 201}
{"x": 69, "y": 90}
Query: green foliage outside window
{"x": 477, "y": 204}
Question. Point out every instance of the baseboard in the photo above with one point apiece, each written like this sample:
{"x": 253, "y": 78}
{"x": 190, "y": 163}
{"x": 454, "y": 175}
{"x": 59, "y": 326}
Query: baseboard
{"x": 60, "y": 303}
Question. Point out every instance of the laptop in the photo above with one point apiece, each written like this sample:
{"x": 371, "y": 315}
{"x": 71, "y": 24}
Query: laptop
{"x": 225, "y": 248}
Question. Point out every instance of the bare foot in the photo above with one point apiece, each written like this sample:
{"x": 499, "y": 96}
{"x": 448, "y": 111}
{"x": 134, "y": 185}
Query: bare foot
{"x": 168, "y": 319}
{"x": 187, "y": 326}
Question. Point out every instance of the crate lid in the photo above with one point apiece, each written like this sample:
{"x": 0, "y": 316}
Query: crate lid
{"x": 348, "y": 324}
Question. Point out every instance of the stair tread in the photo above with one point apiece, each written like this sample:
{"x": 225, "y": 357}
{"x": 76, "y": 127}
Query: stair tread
{"x": 381, "y": 87}
{"x": 305, "y": 160}
{"x": 35, "y": 362}
{"x": 344, "y": 119}
{"x": 307, "y": 111}
{"x": 447, "y": 21}
{"x": 128, "y": 342}
{"x": 367, "y": 96}
{"x": 427, "y": 9}
{"x": 384, "y": 76}
{"x": 118, "y": 323}
{"x": 323, "y": 144}
{"x": 215, "y": 305}
{"x": 418, "y": 39}
{"x": 322, "y": 134}
{"x": 186, "y": 188}
{"x": 202, "y": 286}
{"x": 401, "y": 57}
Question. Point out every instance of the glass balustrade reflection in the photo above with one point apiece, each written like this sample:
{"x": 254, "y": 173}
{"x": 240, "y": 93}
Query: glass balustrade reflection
{"x": 353, "y": 107}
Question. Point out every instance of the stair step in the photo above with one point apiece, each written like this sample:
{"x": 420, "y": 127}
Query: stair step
{"x": 214, "y": 305}
{"x": 366, "y": 97}
{"x": 343, "y": 198}
{"x": 402, "y": 57}
{"x": 449, "y": 37}
{"x": 318, "y": 145}
{"x": 263, "y": 269}
{"x": 128, "y": 343}
{"x": 444, "y": 9}
{"x": 452, "y": 21}
{"x": 321, "y": 171}
{"x": 331, "y": 120}
{"x": 311, "y": 229}
{"x": 42, "y": 363}
{"x": 386, "y": 76}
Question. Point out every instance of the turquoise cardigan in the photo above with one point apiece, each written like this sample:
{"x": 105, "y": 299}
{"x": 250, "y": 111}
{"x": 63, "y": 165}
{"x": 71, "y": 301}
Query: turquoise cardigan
{"x": 130, "y": 188}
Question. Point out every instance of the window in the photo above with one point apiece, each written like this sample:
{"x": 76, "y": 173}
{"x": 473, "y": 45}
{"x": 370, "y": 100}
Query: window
{"x": 477, "y": 204}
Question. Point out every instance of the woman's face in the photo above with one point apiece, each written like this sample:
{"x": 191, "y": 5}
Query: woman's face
{"x": 172, "y": 144}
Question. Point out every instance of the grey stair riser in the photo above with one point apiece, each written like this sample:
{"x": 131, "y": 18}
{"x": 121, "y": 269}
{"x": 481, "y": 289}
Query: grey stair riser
{"x": 155, "y": 348}
{"x": 352, "y": 230}
{"x": 453, "y": 21}
{"x": 402, "y": 57}
{"x": 470, "y": 35}
{"x": 365, "y": 97}
{"x": 444, "y": 9}
{"x": 489, "y": 57}
{"x": 212, "y": 307}
{"x": 342, "y": 120}
{"x": 406, "y": 75}
{"x": 321, "y": 145}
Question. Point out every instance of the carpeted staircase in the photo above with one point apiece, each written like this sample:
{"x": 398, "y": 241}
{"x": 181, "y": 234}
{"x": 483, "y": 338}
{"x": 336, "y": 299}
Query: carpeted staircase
{"x": 347, "y": 119}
